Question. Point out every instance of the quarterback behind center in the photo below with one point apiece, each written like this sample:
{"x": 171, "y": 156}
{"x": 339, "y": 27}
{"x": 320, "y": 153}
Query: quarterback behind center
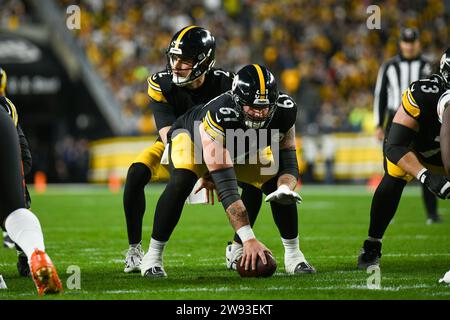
{"x": 254, "y": 103}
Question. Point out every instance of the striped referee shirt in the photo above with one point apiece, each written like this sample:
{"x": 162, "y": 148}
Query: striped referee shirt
{"x": 394, "y": 77}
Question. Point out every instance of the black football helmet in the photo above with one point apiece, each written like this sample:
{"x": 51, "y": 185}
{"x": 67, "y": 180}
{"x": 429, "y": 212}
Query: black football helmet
{"x": 255, "y": 86}
{"x": 2, "y": 81}
{"x": 195, "y": 44}
{"x": 444, "y": 67}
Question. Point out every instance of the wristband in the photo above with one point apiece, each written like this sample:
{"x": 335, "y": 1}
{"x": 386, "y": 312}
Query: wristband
{"x": 245, "y": 233}
{"x": 419, "y": 175}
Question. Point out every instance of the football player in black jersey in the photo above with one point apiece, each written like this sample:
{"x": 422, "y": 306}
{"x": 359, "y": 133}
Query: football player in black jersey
{"x": 413, "y": 150}
{"x": 22, "y": 263}
{"x": 21, "y": 224}
{"x": 189, "y": 79}
{"x": 259, "y": 122}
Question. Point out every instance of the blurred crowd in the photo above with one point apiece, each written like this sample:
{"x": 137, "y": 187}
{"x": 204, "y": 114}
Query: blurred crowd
{"x": 322, "y": 52}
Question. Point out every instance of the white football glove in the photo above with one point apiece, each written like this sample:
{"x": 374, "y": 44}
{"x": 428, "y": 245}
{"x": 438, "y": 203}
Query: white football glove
{"x": 284, "y": 195}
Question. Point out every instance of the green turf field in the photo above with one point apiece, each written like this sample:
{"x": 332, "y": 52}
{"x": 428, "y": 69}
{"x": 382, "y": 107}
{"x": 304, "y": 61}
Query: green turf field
{"x": 85, "y": 226}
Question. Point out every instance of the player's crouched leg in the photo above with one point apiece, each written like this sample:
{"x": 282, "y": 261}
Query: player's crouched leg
{"x": 167, "y": 215}
{"x": 384, "y": 205}
{"x": 286, "y": 219}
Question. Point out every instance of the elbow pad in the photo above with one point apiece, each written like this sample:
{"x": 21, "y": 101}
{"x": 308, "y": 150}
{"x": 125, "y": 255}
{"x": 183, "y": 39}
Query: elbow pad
{"x": 226, "y": 186}
{"x": 288, "y": 163}
{"x": 399, "y": 142}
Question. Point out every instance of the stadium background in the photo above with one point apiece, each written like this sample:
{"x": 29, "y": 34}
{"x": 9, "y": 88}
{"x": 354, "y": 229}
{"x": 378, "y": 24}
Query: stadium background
{"x": 82, "y": 99}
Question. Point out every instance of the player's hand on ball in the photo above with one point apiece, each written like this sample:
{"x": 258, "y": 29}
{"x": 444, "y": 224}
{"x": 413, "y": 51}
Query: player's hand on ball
{"x": 438, "y": 184}
{"x": 284, "y": 195}
{"x": 252, "y": 249}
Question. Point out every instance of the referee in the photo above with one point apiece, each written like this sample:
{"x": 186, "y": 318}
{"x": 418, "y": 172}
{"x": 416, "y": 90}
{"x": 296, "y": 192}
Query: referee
{"x": 393, "y": 79}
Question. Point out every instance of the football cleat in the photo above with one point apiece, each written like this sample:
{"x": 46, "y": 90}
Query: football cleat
{"x": 232, "y": 255}
{"x": 133, "y": 259}
{"x": 370, "y": 254}
{"x": 297, "y": 265}
{"x": 44, "y": 273}
{"x": 152, "y": 266}
{"x": 7, "y": 242}
{"x": 304, "y": 267}
{"x": 434, "y": 219}
{"x": 22, "y": 264}
{"x": 155, "y": 272}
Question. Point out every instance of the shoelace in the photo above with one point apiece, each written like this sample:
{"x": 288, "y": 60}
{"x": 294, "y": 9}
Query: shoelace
{"x": 156, "y": 270}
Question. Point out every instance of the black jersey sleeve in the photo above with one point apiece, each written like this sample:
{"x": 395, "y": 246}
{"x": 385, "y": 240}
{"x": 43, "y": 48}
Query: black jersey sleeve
{"x": 286, "y": 113}
{"x": 218, "y": 116}
{"x": 154, "y": 88}
{"x": 7, "y": 105}
{"x": 164, "y": 114}
{"x": 420, "y": 94}
{"x": 225, "y": 78}
{"x": 25, "y": 151}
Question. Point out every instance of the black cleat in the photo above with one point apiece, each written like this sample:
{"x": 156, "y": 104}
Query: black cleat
{"x": 7, "y": 242}
{"x": 370, "y": 254}
{"x": 155, "y": 272}
{"x": 22, "y": 264}
{"x": 304, "y": 267}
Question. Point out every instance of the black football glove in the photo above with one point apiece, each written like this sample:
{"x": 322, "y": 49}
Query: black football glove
{"x": 438, "y": 184}
{"x": 27, "y": 198}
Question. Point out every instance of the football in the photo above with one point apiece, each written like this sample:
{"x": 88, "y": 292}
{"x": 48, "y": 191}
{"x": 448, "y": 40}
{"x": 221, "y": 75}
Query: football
{"x": 262, "y": 270}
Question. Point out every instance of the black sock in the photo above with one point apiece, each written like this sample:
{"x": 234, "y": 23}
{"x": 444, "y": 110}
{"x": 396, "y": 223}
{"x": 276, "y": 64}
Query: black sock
{"x": 430, "y": 202}
{"x": 285, "y": 216}
{"x": 252, "y": 199}
{"x": 384, "y": 205}
{"x": 170, "y": 204}
{"x": 134, "y": 200}
{"x": 286, "y": 219}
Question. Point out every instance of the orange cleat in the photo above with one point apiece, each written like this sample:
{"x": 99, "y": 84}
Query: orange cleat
{"x": 44, "y": 273}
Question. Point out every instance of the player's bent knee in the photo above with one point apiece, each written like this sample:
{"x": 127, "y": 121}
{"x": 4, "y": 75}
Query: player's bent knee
{"x": 182, "y": 181}
{"x": 389, "y": 184}
{"x": 138, "y": 175}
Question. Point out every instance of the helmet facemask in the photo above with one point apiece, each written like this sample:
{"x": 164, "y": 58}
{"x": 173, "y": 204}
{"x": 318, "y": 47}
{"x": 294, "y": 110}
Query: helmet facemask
{"x": 252, "y": 122}
{"x": 201, "y": 65}
{"x": 445, "y": 67}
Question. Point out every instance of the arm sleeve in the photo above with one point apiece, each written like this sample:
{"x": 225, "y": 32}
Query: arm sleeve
{"x": 164, "y": 114}
{"x": 380, "y": 97}
{"x": 25, "y": 151}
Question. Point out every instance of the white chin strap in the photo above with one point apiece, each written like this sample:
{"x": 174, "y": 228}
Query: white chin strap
{"x": 180, "y": 81}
